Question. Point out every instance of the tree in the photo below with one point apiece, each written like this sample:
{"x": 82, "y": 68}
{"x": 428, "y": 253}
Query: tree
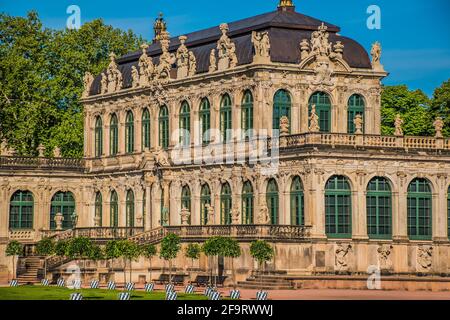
{"x": 212, "y": 248}
{"x": 131, "y": 252}
{"x": 80, "y": 248}
{"x": 13, "y": 249}
{"x": 45, "y": 247}
{"x": 192, "y": 252}
{"x": 170, "y": 246}
{"x": 440, "y": 105}
{"x": 61, "y": 248}
{"x": 112, "y": 251}
{"x": 262, "y": 252}
{"x": 231, "y": 249}
{"x": 149, "y": 251}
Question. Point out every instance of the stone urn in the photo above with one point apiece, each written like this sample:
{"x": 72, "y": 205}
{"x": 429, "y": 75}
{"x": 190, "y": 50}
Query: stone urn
{"x": 59, "y": 218}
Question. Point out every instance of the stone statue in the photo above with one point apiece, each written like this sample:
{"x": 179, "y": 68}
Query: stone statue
{"x": 438, "y": 126}
{"x": 134, "y": 77}
{"x": 235, "y": 215}
{"x": 384, "y": 260}
{"x": 398, "y": 126}
{"x": 5, "y": 150}
{"x": 358, "y": 122}
{"x": 425, "y": 256}
{"x": 264, "y": 216}
{"x": 59, "y": 218}
{"x": 226, "y": 50}
{"x": 284, "y": 125}
{"x": 212, "y": 61}
{"x": 320, "y": 45}
{"x": 192, "y": 64}
{"x": 210, "y": 214}
{"x": 87, "y": 83}
{"x": 146, "y": 67}
{"x": 341, "y": 256}
{"x": 339, "y": 49}
{"x": 113, "y": 74}
{"x": 57, "y": 152}
{"x": 261, "y": 44}
{"x": 166, "y": 59}
{"x": 304, "y": 49}
{"x": 185, "y": 215}
{"x": 323, "y": 71}
{"x": 41, "y": 150}
{"x": 161, "y": 157}
{"x": 314, "y": 120}
{"x": 104, "y": 84}
{"x": 375, "y": 52}
{"x": 182, "y": 56}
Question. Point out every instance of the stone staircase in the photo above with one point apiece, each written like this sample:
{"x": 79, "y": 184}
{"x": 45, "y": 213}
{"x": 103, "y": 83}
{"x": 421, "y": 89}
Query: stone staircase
{"x": 274, "y": 280}
{"x": 29, "y": 273}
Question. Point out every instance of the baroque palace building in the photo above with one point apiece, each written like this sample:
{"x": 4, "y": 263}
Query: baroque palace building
{"x": 264, "y": 128}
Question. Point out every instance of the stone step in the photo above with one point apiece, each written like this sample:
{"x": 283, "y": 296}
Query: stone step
{"x": 264, "y": 287}
{"x": 272, "y": 281}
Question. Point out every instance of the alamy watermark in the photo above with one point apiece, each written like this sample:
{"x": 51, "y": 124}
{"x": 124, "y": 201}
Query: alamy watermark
{"x": 374, "y": 279}
{"x": 374, "y": 19}
{"x": 74, "y": 20}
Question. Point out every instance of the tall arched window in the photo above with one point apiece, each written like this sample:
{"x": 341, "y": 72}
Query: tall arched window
{"x": 64, "y": 203}
{"x": 186, "y": 199}
{"x": 98, "y": 208}
{"x": 21, "y": 210}
{"x": 355, "y": 106}
{"x": 113, "y": 136}
{"x": 225, "y": 118}
{"x": 130, "y": 208}
{"x": 185, "y": 124}
{"x": 114, "y": 210}
{"x": 225, "y": 204}
{"x": 145, "y": 129}
{"x": 281, "y": 107}
{"x": 247, "y": 203}
{"x": 272, "y": 201}
{"x": 379, "y": 209}
{"x": 419, "y": 210}
{"x": 205, "y": 120}
{"x": 129, "y": 132}
{"x": 205, "y": 199}
{"x": 297, "y": 202}
{"x": 164, "y": 127}
{"x": 338, "y": 208}
{"x": 247, "y": 114}
{"x": 323, "y": 110}
{"x": 98, "y": 137}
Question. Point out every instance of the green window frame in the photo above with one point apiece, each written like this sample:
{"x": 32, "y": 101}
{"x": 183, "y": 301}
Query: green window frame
{"x": 205, "y": 121}
{"x": 164, "y": 127}
{"x": 146, "y": 133}
{"x": 225, "y": 118}
{"x": 338, "y": 208}
{"x": 323, "y": 109}
{"x": 379, "y": 208}
{"x": 114, "y": 210}
{"x": 247, "y": 203}
{"x": 282, "y": 105}
{"x": 205, "y": 198}
{"x": 225, "y": 204}
{"x": 272, "y": 200}
{"x": 419, "y": 210}
{"x": 355, "y": 106}
{"x": 297, "y": 202}
{"x": 99, "y": 207}
{"x": 98, "y": 133}
{"x": 21, "y": 210}
{"x": 113, "y": 135}
{"x": 186, "y": 200}
{"x": 247, "y": 114}
{"x": 129, "y": 209}
{"x": 129, "y": 133}
{"x": 62, "y": 202}
{"x": 185, "y": 124}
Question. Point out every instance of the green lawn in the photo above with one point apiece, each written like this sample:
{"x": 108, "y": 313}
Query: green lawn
{"x": 57, "y": 293}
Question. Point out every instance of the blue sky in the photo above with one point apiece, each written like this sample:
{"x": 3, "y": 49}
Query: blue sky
{"x": 415, "y": 34}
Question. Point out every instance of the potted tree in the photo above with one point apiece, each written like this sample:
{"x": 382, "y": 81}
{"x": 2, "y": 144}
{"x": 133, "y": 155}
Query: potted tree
{"x": 131, "y": 253}
{"x": 45, "y": 247}
{"x": 192, "y": 252}
{"x": 13, "y": 249}
{"x": 170, "y": 246}
{"x": 149, "y": 251}
{"x": 232, "y": 250}
{"x": 80, "y": 248}
{"x": 262, "y": 252}
{"x": 112, "y": 251}
{"x": 212, "y": 248}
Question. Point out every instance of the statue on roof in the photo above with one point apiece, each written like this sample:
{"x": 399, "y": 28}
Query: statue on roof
{"x": 438, "y": 126}
{"x": 261, "y": 44}
{"x": 375, "y": 52}
{"x": 88, "y": 79}
{"x": 159, "y": 27}
{"x": 186, "y": 62}
{"x": 226, "y": 50}
{"x": 146, "y": 67}
{"x": 113, "y": 74}
{"x": 166, "y": 59}
{"x": 398, "y": 126}
{"x": 212, "y": 61}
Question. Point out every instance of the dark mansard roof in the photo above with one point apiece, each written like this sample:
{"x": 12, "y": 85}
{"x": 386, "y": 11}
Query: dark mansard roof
{"x": 286, "y": 30}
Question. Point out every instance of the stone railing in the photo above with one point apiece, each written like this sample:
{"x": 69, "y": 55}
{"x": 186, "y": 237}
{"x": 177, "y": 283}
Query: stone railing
{"x": 45, "y": 163}
{"x": 99, "y": 233}
{"x": 22, "y": 235}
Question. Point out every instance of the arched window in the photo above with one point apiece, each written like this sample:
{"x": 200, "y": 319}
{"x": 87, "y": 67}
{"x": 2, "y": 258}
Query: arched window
{"x": 323, "y": 110}
{"x": 247, "y": 114}
{"x": 64, "y": 203}
{"x": 98, "y": 137}
{"x": 114, "y": 210}
{"x": 21, "y": 210}
{"x": 129, "y": 132}
{"x": 355, "y": 106}
{"x": 205, "y": 199}
{"x": 272, "y": 201}
{"x": 113, "y": 136}
{"x": 338, "y": 208}
{"x": 225, "y": 204}
{"x": 297, "y": 202}
{"x": 185, "y": 124}
{"x": 98, "y": 208}
{"x": 247, "y": 203}
{"x": 186, "y": 199}
{"x": 419, "y": 210}
{"x": 205, "y": 121}
{"x": 379, "y": 209}
{"x": 225, "y": 118}
{"x": 164, "y": 127}
{"x": 281, "y": 107}
{"x": 130, "y": 208}
{"x": 146, "y": 129}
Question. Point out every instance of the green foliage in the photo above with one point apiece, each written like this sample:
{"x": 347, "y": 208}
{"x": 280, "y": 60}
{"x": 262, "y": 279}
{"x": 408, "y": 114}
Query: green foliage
{"x": 113, "y": 250}
{"x": 45, "y": 247}
{"x": 79, "y": 248}
{"x": 440, "y": 105}
{"x": 14, "y": 248}
{"x": 192, "y": 251}
{"x": 261, "y": 251}
{"x": 230, "y": 248}
{"x": 130, "y": 250}
{"x": 61, "y": 248}
{"x": 41, "y": 73}
{"x": 212, "y": 246}
{"x": 96, "y": 253}
{"x": 170, "y": 246}
{"x": 149, "y": 250}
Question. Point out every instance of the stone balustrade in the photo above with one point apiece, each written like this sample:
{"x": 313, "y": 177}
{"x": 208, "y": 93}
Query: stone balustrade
{"x": 97, "y": 233}
{"x": 22, "y": 235}
{"x": 44, "y": 163}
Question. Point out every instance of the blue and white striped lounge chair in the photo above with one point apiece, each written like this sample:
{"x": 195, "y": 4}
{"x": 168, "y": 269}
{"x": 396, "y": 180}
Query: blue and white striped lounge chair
{"x": 111, "y": 285}
{"x": 208, "y": 291}
{"x": 149, "y": 287}
{"x": 14, "y": 283}
{"x": 129, "y": 286}
{"x": 94, "y": 284}
{"x": 76, "y": 283}
{"x": 60, "y": 282}
{"x": 215, "y": 295}
{"x": 45, "y": 282}
{"x": 170, "y": 287}
{"x": 171, "y": 295}
{"x": 235, "y": 294}
{"x": 190, "y": 289}
{"x": 124, "y": 296}
{"x": 261, "y": 295}
{"x": 76, "y": 296}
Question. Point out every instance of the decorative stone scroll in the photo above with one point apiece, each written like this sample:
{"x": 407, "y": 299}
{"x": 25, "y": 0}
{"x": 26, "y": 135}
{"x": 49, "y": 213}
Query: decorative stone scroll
{"x": 341, "y": 256}
{"x": 425, "y": 257}
{"x": 384, "y": 256}
{"x": 186, "y": 61}
{"x": 226, "y": 50}
{"x": 261, "y": 44}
